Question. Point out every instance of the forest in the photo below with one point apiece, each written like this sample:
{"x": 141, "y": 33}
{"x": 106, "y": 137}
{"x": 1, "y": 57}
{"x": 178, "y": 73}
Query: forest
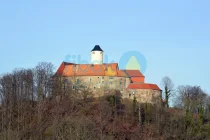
{"x": 37, "y": 105}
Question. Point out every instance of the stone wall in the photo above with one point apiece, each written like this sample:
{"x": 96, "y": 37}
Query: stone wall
{"x": 97, "y": 82}
{"x": 101, "y": 84}
{"x": 144, "y": 95}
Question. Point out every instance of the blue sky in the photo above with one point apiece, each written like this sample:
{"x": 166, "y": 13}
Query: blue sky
{"x": 173, "y": 35}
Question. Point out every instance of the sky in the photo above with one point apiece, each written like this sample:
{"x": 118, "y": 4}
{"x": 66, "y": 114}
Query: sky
{"x": 172, "y": 35}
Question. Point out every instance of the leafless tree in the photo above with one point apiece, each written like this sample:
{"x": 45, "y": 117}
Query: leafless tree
{"x": 43, "y": 75}
{"x": 191, "y": 97}
{"x": 168, "y": 89}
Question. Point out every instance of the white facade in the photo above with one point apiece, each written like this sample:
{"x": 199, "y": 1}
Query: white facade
{"x": 96, "y": 57}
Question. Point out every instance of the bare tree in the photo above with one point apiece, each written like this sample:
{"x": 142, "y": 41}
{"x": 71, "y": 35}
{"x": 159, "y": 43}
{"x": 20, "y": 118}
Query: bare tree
{"x": 191, "y": 97}
{"x": 43, "y": 75}
{"x": 168, "y": 89}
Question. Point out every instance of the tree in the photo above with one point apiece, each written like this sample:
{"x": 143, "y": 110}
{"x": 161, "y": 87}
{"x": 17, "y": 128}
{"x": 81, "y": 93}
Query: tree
{"x": 43, "y": 75}
{"x": 168, "y": 89}
{"x": 191, "y": 98}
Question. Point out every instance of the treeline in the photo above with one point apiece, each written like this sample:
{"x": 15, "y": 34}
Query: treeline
{"x": 37, "y": 105}
{"x": 21, "y": 93}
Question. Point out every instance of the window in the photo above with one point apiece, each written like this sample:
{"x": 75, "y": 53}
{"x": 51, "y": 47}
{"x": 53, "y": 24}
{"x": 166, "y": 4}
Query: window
{"x": 129, "y": 95}
{"x": 100, "y": 52}
{"x": 90, "y": 80}
{"x": 66, "y": 81}
{"x": 94, "y": 88}
{"x": 102, "y": 82}
{"x": 111, "y": 77}
{"x": 65, "y": 84}
{"x": 102, "y": 77}
{"x": 93, "y": 52}
{"x": 78, "y": 81}
{"x": 73, "y": 87}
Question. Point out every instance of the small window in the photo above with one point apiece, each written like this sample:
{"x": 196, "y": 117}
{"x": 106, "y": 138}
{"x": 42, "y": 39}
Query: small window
{"x": 90, "y": 80}
{"x": 111, "y": 77}
{"x": 102, "y": 82}
{"x": 129, "y": 95}
{"x": 66, "y": 81}
{"x": 102, "y": 77}
{"x": 73, "y": 87}
{"x": 100, "y": 52}
{"x": 77, "y": 81}
{"x": 94, "y": 88}
{"x": 93, "y": 52}
{"x": 65, "y": 84}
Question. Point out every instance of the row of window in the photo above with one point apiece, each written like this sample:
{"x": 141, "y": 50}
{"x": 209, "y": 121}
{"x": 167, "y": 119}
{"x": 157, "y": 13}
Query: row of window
{"x": 78, "y": 82}
{"x": 74, "y": 87}
{"x": 103, "y": 78}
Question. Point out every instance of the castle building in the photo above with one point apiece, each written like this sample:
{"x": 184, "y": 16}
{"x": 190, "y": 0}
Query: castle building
{"x": 99, "y": 76}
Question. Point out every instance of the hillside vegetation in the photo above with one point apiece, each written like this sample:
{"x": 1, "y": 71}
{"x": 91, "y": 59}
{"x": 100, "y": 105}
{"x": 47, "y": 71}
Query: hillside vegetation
{"x": 35, "y": 106}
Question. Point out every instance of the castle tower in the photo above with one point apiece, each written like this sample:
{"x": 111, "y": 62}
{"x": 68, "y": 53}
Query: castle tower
{"x": 97, "y": 55}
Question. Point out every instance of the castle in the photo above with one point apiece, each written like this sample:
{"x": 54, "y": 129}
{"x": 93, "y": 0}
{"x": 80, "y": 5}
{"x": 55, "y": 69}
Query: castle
{"x": 99, "y": 76}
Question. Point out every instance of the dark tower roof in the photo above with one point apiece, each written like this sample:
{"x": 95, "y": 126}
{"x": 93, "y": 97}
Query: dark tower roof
{"x": 97, "y": 48}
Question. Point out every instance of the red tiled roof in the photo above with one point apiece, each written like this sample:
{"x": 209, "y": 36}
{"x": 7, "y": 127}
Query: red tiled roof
{"x": 137, "y": 79}
{"x": 121, "y": 73}
{"x": 134, "y": 73}
{"x": 70, "y": 69}
{"x": 62, "y": 67}
{"x": 143, "y": 86}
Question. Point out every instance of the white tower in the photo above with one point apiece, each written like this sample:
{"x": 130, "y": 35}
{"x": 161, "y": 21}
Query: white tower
{"x": 97, "y": 55}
